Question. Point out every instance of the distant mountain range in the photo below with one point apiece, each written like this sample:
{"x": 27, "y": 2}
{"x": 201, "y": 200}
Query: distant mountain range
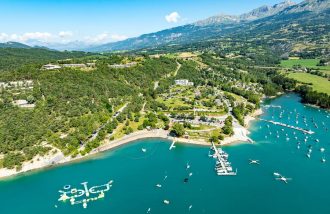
{"x": 258, "y": 13}
{"x": 260, "y": 19}
{"x": 13, "y": 45}
{"x": 263, "y": 21}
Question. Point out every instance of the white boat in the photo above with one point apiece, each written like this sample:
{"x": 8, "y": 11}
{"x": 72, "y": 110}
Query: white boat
{"x": 159, "y": 185}
{"x": 144, "y": 150}
{"x": 276, "y": 174}
{"x": 322, "y": 150}
{"x": 166, "y": 202}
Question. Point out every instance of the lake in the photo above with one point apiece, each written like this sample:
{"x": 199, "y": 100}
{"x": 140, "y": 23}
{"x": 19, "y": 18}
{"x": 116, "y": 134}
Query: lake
{"x": 253, "y": 190}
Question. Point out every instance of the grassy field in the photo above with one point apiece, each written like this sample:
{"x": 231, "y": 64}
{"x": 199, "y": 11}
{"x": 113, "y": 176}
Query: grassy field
{"x": 308, "y": 63}
{"x": 319, "y": 84}
{"x": 204, "y": 135}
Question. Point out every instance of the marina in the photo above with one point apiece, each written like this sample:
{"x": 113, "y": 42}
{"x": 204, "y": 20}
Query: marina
{"x": 223, "y": 166}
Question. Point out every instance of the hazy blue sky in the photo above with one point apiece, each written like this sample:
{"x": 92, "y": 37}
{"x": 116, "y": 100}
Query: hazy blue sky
{"x": 105, "y": 20}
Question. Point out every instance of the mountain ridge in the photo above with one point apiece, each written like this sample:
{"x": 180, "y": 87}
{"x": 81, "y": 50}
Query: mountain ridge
{"x": 215, "y": 26}
{"x": 12, "y": 44}
{"x": 260, "y": 12}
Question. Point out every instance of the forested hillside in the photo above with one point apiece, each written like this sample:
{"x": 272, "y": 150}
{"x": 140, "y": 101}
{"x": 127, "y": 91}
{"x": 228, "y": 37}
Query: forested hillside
{"x": 12, "y": 58}
{"x": 70, "y": 102}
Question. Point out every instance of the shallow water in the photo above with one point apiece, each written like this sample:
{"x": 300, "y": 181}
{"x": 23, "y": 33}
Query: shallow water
{"x": 135, "y": 174}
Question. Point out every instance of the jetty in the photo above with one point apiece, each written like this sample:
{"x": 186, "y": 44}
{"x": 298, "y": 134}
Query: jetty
{"x": 272, "y": 106}
{"x": 289, "y": 126}
{"x": 172, "y": 145}
{"x": 223, "y": 166}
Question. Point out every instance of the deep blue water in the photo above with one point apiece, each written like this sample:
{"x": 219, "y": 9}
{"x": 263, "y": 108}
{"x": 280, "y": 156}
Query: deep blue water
{"x": 135, "y": 174}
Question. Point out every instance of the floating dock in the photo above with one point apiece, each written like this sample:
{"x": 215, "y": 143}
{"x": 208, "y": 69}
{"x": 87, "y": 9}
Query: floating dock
{"x": 84, "y": 195}
{"x": 289, "y": 126}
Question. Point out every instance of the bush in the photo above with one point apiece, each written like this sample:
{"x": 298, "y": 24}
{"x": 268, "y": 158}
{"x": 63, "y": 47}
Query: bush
{"x": 178, "y": 130}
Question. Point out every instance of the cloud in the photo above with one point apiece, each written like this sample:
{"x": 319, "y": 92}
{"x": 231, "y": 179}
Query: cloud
{"x": 42, "y": 36}
{"x": 33, "y": 38}
{"x": 3, "y": 37}
{"x": 117, "y": 37}
{"x": 65, "y": 34}
{"x": 173, "y": 17}
{"x": 97, "y": 39}
{"x": 104, "y": 37}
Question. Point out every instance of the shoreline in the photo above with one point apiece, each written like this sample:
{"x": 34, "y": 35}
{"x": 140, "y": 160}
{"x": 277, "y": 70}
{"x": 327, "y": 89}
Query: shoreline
{"x": 241, "y": 132}
{"x": 58, "y": 159}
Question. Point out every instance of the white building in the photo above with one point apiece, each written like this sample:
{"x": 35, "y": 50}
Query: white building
{"x": 127, "y": 65}
{"x": 74, "y": 66}
{"x": 50, "y": 67}
{"x": 184, "y": 82}
{"x": 23, "y": 104}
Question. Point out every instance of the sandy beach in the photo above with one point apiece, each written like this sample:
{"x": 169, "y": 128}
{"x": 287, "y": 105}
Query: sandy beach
{"x": 240, "y": 132}
{"x": 58, "y": 158}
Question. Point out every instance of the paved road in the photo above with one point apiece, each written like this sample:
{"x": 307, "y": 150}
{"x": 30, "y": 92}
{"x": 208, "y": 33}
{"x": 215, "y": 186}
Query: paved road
{"x": 156, "y": 84}
{"x": 96, "y": 132}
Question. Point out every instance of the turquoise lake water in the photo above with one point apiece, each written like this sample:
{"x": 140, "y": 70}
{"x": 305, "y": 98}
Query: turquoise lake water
{"x": 135, "y": 174}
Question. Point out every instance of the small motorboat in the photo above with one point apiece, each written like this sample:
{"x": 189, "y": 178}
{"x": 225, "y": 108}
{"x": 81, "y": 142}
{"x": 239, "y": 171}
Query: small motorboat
{"x": 144, "y": 150}
{"x": 166, "y": 202}
{"x": 186, "y": 180}
{"x": 276, "y": 174}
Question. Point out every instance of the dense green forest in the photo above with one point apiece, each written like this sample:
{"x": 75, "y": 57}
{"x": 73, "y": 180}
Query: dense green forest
{"x": 70, "y": 104}
{"x": 12, "y": 58}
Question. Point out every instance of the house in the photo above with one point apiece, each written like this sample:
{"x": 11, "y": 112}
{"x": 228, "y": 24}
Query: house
{"x": 50, "y": 67}
{"x": 184, "y": 82}
{"x": 23, "y": 84}
{"x": 91, "y": 64}
{"x": 23, "y": 104}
